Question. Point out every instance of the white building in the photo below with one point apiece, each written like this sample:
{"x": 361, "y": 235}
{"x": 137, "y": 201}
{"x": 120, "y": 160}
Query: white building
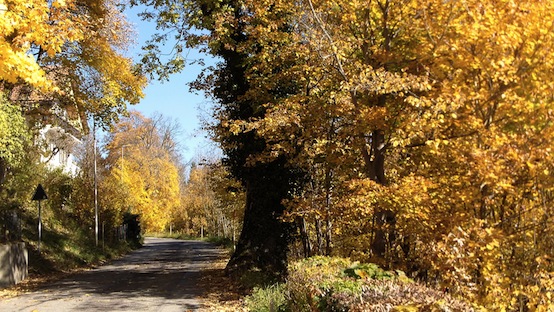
{"x": 59, "y": 147}
{"x": 60, "y": 127}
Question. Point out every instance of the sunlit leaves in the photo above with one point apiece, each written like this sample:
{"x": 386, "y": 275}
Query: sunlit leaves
{"x": 147, "y": 169}
{"x": 96, "y": 74}
{"x": 456, "y": 98}
{"x": 71, "y": 52}
{"x": 438, "y": 112}
{"x": 28, "y": 24}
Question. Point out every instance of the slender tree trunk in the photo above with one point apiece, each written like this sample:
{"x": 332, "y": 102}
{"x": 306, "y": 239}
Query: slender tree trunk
{"x": 328, "y": 219}
{"x": 319, "y": 236}
{"x": 307, "y": 247}
{"x": 3, "y": 172}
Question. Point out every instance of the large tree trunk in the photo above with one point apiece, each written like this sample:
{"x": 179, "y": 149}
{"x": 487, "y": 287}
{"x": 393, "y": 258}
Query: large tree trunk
{"x": 263, "y": 243}
{"x": 384, "y": 232}
{"x": 384, "y": 220}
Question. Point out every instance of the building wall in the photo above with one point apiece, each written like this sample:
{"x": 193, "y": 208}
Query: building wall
{"x": 59, "y": 147}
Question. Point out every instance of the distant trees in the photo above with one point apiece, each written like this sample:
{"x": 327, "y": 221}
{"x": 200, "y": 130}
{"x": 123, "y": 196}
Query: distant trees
{"x": 212, "y": 203}
{"x": 143, "y": 163}
{"x": 146, "y": 176}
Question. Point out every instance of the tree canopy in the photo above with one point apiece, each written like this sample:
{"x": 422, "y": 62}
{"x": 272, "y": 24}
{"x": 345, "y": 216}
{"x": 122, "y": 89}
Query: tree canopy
{"x": 69, "y": 53}
{"x": 421, "y": 132}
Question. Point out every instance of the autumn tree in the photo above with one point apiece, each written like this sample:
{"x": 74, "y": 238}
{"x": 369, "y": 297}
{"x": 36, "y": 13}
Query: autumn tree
{"x": 50, "y": 62}
{"x": 26, "y": 25}
{"x": 500, "y": 100}
{"x": 230, "y": 201}
{"x": 263, "y": 243}
{"x": 212, "y": 203}
{"x": 198, "y": 204}
{"x": 142, "y": 159}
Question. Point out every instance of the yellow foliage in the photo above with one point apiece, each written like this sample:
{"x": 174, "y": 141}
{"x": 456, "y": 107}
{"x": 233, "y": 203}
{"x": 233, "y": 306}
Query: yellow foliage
{"x": 71, "y": 51}
{"x": 437, "y": 112}
{"x": 455, "y": 96}
{"x": 146, "y": 171}
{"x": 27, "y": 23}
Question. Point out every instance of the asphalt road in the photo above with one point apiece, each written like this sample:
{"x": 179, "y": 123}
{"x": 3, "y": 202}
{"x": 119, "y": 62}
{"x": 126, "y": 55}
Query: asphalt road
{"x": 161, "y": 276}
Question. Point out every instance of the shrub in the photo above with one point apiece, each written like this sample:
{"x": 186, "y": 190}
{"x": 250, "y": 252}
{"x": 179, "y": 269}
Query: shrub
{"x": 320, "y": 284}
{"x": 269, "y": 299}
{"x": 335, "y": 284}
{"x": 368, "y": 270}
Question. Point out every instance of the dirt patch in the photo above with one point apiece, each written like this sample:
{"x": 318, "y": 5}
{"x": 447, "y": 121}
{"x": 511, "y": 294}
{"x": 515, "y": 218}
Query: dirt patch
{"x": 221, "y": 293}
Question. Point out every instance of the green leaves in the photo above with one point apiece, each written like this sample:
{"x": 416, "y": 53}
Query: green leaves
{"x": 14, "y": 133}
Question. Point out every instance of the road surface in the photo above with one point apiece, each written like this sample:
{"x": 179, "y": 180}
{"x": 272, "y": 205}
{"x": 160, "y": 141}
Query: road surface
{"x": 162, "y": 276}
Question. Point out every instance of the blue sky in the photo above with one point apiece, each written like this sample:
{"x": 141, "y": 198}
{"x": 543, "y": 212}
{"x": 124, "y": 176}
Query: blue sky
{"x": 174, "y": 100}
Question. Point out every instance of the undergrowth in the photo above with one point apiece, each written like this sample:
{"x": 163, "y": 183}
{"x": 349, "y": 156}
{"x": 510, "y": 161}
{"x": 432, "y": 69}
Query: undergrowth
{"x": 66, "y": 246}
{"x": 337, "y": 284}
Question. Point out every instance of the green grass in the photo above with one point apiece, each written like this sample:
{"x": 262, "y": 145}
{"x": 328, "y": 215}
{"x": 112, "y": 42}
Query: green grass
{"x": 67, "y": 247}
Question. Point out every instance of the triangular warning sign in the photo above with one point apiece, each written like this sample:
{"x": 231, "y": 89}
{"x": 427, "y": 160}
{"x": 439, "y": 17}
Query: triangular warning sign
{"x": 40, "y": 194}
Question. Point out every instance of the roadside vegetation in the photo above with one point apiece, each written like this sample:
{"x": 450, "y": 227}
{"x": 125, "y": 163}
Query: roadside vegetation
{"x": 338, "y": 284}
{"x": 416, "y": 135}
{"x": 67, "y": 240}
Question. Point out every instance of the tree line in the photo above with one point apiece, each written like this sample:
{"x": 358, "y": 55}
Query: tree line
{"x": 416, "y": 135}
{"x": 63, "y": 64}
{"x": 412, "y": 134}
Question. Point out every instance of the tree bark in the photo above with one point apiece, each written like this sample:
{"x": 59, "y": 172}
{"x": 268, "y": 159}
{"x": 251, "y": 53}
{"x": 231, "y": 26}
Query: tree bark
{"x": 3, "y": 172}
{"x": 263, "y": 242}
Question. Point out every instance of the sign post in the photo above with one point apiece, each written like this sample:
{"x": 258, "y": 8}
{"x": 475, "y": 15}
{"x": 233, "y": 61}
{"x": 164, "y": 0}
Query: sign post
{"x": 40, "y": 195}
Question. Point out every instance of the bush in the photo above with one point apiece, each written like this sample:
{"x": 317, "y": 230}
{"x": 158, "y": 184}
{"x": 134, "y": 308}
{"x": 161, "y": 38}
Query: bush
{"x": 368, "y": 270}
{"x": 320, "y": 284}
{"x": 337, "y": 284}
{"x": 269, "y": 299}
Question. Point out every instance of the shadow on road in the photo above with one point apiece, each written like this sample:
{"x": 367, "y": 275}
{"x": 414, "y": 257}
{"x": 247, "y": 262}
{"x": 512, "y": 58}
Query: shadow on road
{"x": 161, "y": 276}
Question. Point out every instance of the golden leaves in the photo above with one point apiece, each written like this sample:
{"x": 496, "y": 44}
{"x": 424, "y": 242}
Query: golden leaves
{"x": 144, "y": 169}
{"x": 462, "y": 94}
{"x": 34, "y": 33}
{"x": 27, "y": 23}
